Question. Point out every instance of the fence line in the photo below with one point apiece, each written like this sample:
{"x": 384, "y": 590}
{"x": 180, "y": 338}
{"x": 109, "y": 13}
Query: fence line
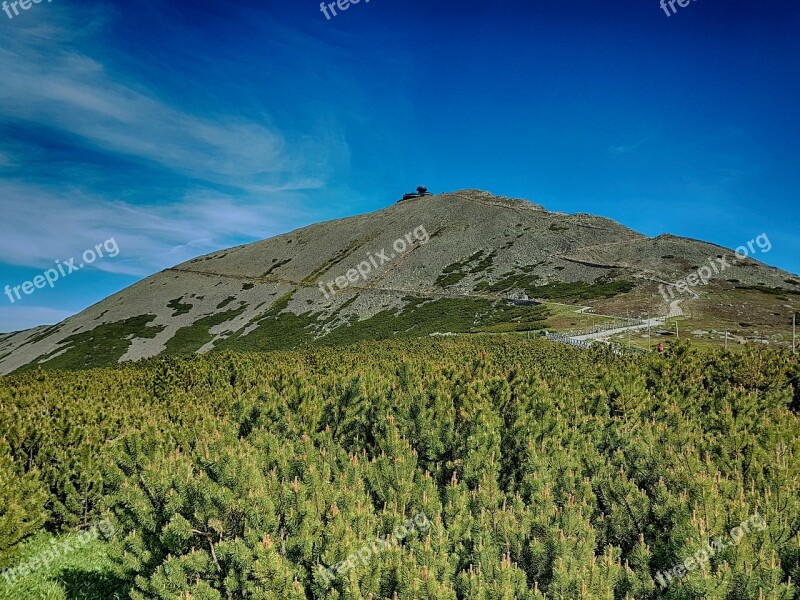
{"x": 618, "y": 323}
{"x": 615, "y": 348}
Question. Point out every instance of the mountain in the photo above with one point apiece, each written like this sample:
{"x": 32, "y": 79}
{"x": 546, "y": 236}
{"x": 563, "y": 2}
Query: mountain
{"x": 446, "y": 263}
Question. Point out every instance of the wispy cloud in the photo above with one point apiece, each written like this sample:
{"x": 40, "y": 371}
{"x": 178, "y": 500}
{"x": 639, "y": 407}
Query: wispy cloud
{"x": 628, "y": 148}
{"x": 219, "y": 176}
{"x": 49, "y": 80}
{"x": 58, "y": 224}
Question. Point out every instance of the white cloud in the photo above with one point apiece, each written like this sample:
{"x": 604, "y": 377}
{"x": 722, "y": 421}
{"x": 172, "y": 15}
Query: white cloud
{"x": 41, "y": 225}
{"x": 77, "y": 129}
{"x": 51, "y": 81}
{"x": 54, "y": 80}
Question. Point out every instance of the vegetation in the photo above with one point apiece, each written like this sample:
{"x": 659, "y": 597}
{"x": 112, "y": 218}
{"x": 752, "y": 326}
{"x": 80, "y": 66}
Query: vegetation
{"x": 22, "y": 504}
{"x": 193, "y": 337}
{"x": 577, "y": 290}
{"x": 582, "y": 291}
{"x": 454, "y": 273}
{"x": 338, "y": 258}
{"x": 225, "y": 302}
{"x": 769, "y": 290}
{"x": 102, "y": 346}
{"x": 281, "y": 329}
{"x": 179, "y": 307}
{"x": 524, "y": 281}
{"x": 422, "y": 317}
{"x": 545, "y": 472}
{"x": 274, "y": 330}
{"x": 277, "y": 265}
{"x": 87, "y": 574}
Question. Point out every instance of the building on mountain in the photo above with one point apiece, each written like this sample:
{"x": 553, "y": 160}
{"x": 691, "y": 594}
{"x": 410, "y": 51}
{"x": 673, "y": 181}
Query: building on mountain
{"x": 421, "y": 192}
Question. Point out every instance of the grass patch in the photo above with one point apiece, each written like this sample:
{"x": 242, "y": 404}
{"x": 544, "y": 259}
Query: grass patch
{"x": 455, "y": 272}
{"x": 178, "y": 307}
{"x": 768, "y": 290}
{"x": 278, "y": 330}
{"x": 337, "y": 258}
{"x": 191, "y": 338}
{"x": 531, "y": 268}
{"x": 450, "y": 315}
{"x": 523, "y": 281}
{"x": 227, "y": 301}
{"x": 446, "y": 280}
{"x": 581, "y": 290}
{"x": 276, "y": 265}
{"x": 578, "y": 290}
{"x": 103, "y": 346}
{"x": 44, "y": 333}
{"x": 85, "y": 573}
{"x": 484, "y": 264}
{"x": 275, "y": 330}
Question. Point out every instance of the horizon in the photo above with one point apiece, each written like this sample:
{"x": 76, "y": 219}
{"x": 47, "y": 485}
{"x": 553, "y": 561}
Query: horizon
{"x": 184, "y": 129}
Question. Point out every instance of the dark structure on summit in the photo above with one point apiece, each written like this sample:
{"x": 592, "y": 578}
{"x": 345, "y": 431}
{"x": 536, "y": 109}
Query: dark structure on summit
{"x": 421, "y": 191}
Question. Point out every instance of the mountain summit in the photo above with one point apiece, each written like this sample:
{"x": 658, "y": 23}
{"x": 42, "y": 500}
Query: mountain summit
{"x": 446, "y": 263}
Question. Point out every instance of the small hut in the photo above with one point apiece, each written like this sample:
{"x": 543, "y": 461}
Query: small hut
{"x": 421, "y": 192}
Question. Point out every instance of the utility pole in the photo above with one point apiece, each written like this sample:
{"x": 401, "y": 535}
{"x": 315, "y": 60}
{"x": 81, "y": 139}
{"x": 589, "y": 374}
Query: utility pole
{"x": 629, "y": 331}
{"x": 677, "y": 331}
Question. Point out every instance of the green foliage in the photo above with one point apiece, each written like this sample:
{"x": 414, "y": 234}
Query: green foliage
{"x": 525, "y": 281}
{"x": 421, "y": 318}
{"x": 327, "y": 267}
{"x": 225, "y": 302}
{"x": 477, "y": 263}
{"x": 276, "y": 265}
{"x": 192, "y": 337}
{"x": 86, "y": 573}
{"x": 581, "y": 290}
{"x": 274, "y": 330}
{"x": 281, "y": 329}
{"x": 22, "y": 504}
{"x": 543, "y": 471}
{"x": 771, "y": 291}
{"x": 103, "y": 346}
{"x": 576, "y": 290}
{"x": 179, "y": 307}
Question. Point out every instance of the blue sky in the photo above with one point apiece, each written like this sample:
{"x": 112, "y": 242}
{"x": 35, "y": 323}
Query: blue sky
{"x": 179, "y": 128}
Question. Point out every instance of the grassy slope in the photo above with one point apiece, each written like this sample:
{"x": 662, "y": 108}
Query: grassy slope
{"x": 85, "y": 573}
{"x": 743, "y": 312}
{"x": 103, "y": 346}
{"x": 278, "y": 330}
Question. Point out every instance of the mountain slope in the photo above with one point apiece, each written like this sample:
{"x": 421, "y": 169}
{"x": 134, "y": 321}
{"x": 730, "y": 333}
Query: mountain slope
{"x": 462, "y": 254}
